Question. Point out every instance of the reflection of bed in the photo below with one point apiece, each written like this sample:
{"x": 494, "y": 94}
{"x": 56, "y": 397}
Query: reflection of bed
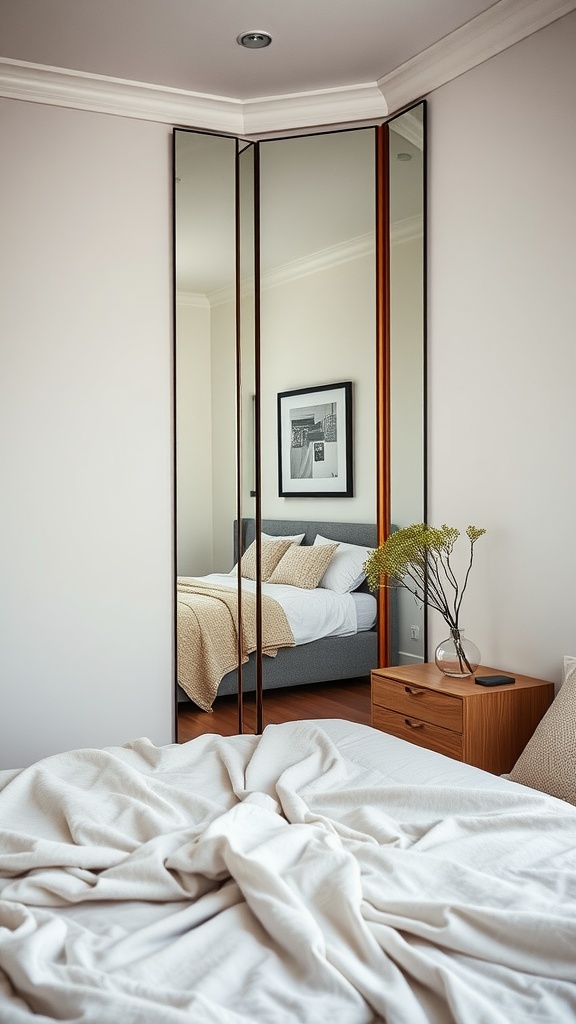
{"x": 325, "y": 659}
{"x": 319, "y": 872}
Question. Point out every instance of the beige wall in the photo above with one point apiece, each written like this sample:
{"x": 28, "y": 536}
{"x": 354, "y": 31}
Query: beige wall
{"x": 86, "y": 648}
{"x": 502, "y": 315}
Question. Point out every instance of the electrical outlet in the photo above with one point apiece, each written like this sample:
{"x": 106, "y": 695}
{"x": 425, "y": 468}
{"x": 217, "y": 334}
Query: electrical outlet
{"x": 414, "y": 632}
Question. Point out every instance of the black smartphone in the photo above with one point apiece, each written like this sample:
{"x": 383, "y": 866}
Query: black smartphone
{"x": 494, "y": 680}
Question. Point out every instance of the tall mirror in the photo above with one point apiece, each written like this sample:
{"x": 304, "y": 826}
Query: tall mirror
{"x": 407, "y": 359}
{"x": 248, "y": 412}
{"x": 207, "y": 434}
{"x": 295, "y": 338}
{"x": 318, "y": 364}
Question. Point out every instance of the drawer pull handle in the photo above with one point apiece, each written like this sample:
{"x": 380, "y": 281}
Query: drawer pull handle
{"x": 415, "y": 693}
{"x": 413, "y": 725}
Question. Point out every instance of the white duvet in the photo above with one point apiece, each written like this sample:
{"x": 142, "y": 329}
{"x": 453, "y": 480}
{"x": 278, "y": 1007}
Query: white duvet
{"x": 311, "y": 614}
{"x": 267, "y": 880}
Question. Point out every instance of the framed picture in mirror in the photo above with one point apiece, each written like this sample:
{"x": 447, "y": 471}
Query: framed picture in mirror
{"x": 315, "y": 457}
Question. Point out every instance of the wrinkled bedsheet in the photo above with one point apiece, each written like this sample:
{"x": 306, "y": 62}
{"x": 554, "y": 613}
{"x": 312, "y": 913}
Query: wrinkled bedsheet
{"x": 267, "y": 879}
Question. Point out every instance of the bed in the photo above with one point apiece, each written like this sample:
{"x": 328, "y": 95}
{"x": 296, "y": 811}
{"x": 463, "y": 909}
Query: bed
{"x": 321, "y": 871}
{"x": 349, "y": 651}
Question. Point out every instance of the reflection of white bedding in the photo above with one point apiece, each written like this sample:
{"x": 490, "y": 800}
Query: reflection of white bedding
{"x": 311, "y": 614}
{"x": 366, "y": 610}
{"x": 283, "y": 878}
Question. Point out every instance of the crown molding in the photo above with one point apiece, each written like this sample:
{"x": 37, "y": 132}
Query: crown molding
{"x": 39, "y": 83}
{"x": 407, "y": 230}
{"x": 346, "y": 105}
{"x": 196, "y": 299}
{"x": 314, "y": 263}
{"x": 502, "y": 25}
{"x": 59, "y": 87}
{"x": 324, "y": 259}
{"x": 220, "y": 296}
{"x": 410, "y": 128}
{"x": 498, "y": 28}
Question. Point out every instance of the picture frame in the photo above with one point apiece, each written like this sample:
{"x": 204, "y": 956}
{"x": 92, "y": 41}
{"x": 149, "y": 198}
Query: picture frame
{"x": 315, "y": 457}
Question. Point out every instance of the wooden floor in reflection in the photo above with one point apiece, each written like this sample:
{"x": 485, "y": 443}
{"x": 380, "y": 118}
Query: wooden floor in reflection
{"x": 345, "y": 699}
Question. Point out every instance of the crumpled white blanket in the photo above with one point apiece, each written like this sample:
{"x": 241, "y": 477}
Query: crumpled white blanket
{"x": 267, "y": 880}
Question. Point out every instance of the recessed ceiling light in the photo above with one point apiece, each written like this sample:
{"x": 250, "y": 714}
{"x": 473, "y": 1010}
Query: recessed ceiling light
{"x": 254, "y": 40}
{"x": 404, "y": 156}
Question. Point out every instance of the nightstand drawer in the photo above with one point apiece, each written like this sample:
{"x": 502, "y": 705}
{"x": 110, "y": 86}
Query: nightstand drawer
{"x": 407, "y": 727}
{"x": 487, "y": 726}
{"x": 415, "y": 701}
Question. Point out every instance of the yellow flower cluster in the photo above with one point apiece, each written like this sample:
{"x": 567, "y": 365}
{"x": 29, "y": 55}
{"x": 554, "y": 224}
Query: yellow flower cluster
{"x": 418, "y": 558}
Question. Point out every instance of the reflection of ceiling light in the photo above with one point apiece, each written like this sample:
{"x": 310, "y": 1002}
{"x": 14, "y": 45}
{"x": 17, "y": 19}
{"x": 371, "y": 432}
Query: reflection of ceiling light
{"x": 404, "y": 156}
{"x": 254, "y": 40}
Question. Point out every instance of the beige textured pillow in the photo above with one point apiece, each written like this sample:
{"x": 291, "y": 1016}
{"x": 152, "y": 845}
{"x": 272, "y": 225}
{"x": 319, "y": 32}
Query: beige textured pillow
{"x": 272, "y": 551}
{"x": 548, "y": 761}
{"x": 303, "y": 567}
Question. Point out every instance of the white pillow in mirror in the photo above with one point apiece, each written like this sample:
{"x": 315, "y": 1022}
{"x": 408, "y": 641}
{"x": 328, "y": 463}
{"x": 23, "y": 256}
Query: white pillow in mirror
{"x": 346, "y": 570}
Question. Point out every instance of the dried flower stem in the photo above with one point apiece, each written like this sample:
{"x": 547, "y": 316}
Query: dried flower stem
{"x": 418, "y": 559}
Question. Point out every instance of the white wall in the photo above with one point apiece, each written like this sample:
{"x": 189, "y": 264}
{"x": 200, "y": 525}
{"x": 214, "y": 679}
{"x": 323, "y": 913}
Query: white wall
{"x": 502, "y": 316}
{"x": 299, "y": 348}
{"x": 86, "y": 644}
{"x": 320, "y": 329}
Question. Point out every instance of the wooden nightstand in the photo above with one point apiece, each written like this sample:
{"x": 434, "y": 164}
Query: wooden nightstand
{"x": 484, "y": 726}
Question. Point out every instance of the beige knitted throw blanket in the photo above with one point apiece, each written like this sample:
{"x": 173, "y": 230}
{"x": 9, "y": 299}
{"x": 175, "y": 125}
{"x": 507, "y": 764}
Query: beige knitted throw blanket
{"x": 208, "y": 634}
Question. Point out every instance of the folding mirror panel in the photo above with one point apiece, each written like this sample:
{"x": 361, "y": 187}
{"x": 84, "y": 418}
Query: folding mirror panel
{"x": 300, "y": 404}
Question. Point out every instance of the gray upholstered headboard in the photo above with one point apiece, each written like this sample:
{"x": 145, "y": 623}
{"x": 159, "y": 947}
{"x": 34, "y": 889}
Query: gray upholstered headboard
{"x": 349, "y": 533}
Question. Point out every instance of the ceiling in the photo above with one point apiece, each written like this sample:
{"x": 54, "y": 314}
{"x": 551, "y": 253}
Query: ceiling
{"x": 178, "y": 61}
{"x": 191, "y": 44}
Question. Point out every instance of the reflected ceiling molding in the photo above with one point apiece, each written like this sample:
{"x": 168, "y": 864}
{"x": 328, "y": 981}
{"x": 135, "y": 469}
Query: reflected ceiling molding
{"x": 410, "y": 128}
{"x": 221, "y": 295}
{"x": 343, "y": 252}
{"x": 324, "y": 259}
{"x": 406, "y": 230}
{"x": 196, "y": 299}
{"x": 498, "y": 28}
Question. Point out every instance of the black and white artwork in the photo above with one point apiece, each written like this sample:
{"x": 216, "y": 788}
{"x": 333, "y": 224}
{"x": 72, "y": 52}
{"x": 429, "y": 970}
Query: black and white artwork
{"x": 315, "y": 442}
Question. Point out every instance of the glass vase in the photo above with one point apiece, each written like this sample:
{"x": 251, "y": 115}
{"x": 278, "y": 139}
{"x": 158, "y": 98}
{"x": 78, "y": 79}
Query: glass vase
{"x": 457, "y": 656}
